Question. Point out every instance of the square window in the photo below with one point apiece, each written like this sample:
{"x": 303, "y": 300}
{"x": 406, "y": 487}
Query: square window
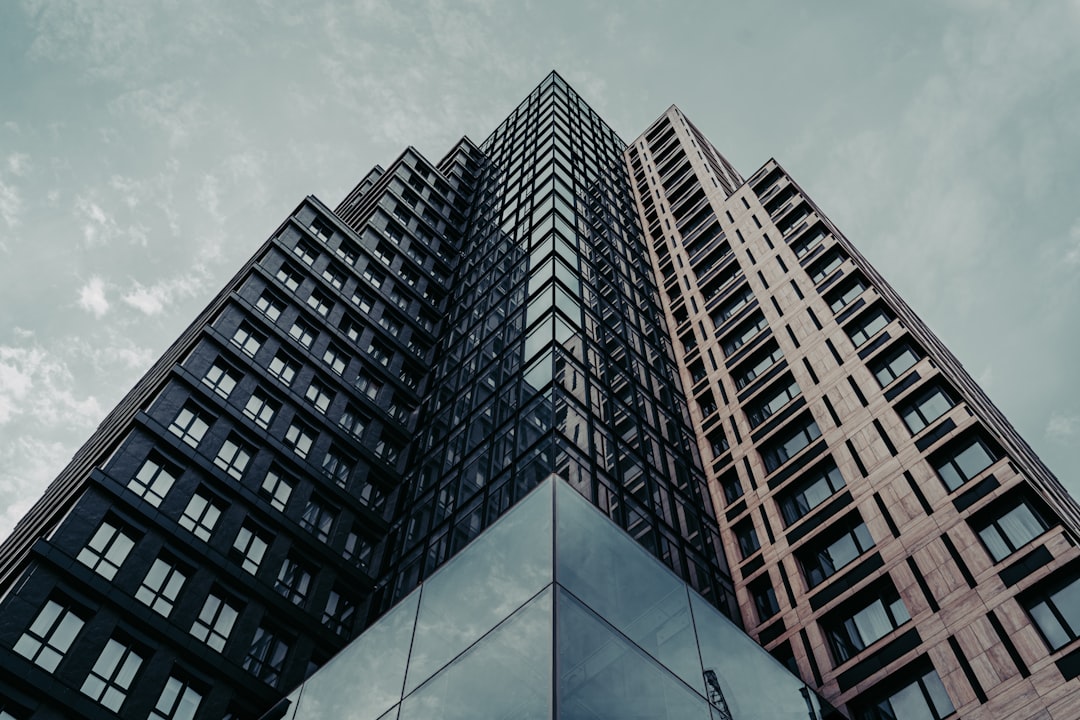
{"x": 306, "y": 252}
{"x": 215, "y": 622}
{"x": 261, "y": 409}
{"x": 318, "y": 519}
{"x": 234, "y": 456}
{"x": 178, "y": 701}
{"x": 336, "y": 359}
{"x": 161, "y": 586}
{"x": 266, "y": 657}
{"x": 276, "y": 487}
{"x": 248, "y": 549}
{"x": 289, "y": 277}
{"x": 270, "y": 306}
{"x": 299, "y": 438}
{"x": 1009, "y": 525}
{"x": 50, "y": 635}
{"x": 200, "y": 516}
{"x": 302, "y": 333}
{"x": 319, "y": 303}
{"x": 334, "y": 276}
{"x": 925, "y": 406}
{"x": 337, "y": 466}
{"x": 363, "y": 301}
{"x": 284, "y": 369}
{"x": 107, "y": 550}
{"x": 191, "y": 424}
{"x": 248, "y": 340}
{"x": 154, "y": 479}
{"x": 113, "y": 672}
{"x": 221, "y": 378}
{"x": 293, "y": 581}
{"x": 318, "y": 396}
{"x": 963, "y": 460}
{"x": 321, "y": 229}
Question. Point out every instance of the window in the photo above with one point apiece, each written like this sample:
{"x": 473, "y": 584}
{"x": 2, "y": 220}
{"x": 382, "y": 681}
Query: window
{"x": 48, "y": 638}
{"x": 293, "y": 581}
{"x": 154, "y": 479}
{"x": 893, "y": 363}
{"x": 337, "y": 467}
{"x": 336, "y": 359}
{"x": 782, "y": 446}
{"x": 868, "y": 325}
{"x": 1056, "y": 612}
{"x": 829, "y": 553}
{"x": 248, "y": 340}
{"x": 845, "y": 293}
{"x": 270, "y": 306}
{"x": 318, "y": 396}
{"x": 339, "y": 613}
{"x": 276, "y": 488}
{"x": 824, "y": 267}
{"x": 924, "y": 407}
{"x": 399, "y": 298}
{"x": 347, "y": 252}
{"x": 317, "y": 519}
{"x": 758, "y": 363}
{"x": 380, "y": 353}
{"x": 178, "y": 701}
{"x": 743, "y": 333}
{"x": 334, "y": 276}
{"x": 963, "y": 460}
{"x": 321, "y": 229}
{"x": 385, "y": 253}
{"x": 215, "y": 622}
{"x": 746, "y": 535}
{"x": 248, "y": 549}
{"x": 764, "y": 597}
{"x": 924, "y": 699}
{"x": 856, "y": 626}
{"x": 161, "y": 585}
{"x": 305, "y": 252}
{"x": 808, "y": 242}
{"x": 110, "y": 678}
{"x": 191, "y": 424}
{"x": 233, "y": 457}
{"x": 363, "y": 301}
{"x": 368, "y": 385}
{"x": 391, "y": 325}
{"x": 373, "y": 276}
{"x": 106, "y": 550}
{"x": 737, "y": 302}
{"x": 261, "y": 409}
{"x": 302, "y": 333}
{"x": 200, "y": 516}
{"x": 318, "y": 302}
{"x": 358, "y": 550}
{"x": 351, "y": 329}
{"x": 768, "y": 402}
{"x": 266, "y": 657}
{"x": 283, "y": 369}
{"x": 354, "y": 421}
{"x": 731, "y": 486}
{"x": 1009, "y": 526}
{"x": 809, "y": 491}
{"x": 388, "y": 450}
{"x": 220, "y": 378}
{"x": 289, "y": 277}
{"x": 298, "y": 437}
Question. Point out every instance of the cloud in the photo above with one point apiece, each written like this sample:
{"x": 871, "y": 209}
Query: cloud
{"x": 18, "y": 163}
{"x": 37, "y": 385}
{"x": 154, "y": 299}
{"x": 98, "y": 227}
{"x": 27, "y": 465}
{"x": 174, "y": 108}
{"x": 1072, "y": 255}
{"x": 92, "y": 297}
{"x": 1062, "y": 426}
{"x": 10, "y": 204}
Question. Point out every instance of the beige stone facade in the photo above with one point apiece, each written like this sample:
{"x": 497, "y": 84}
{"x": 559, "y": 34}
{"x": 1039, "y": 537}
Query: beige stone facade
{"x": 887, "y": 528}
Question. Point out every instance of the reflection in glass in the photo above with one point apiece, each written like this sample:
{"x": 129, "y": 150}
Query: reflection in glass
{"x": 505, "y": 676}
{"x": 603, "y": 567}
{"x": 601, "y": 675}
{"x": 378, "y": 656}
{"x": 498, "y": 572}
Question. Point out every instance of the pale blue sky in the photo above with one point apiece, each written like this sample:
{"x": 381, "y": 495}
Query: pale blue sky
{"x": 147, "y": 148}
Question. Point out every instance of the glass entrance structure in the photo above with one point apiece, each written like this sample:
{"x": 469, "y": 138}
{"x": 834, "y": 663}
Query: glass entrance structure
{"x": 553, "y": 612}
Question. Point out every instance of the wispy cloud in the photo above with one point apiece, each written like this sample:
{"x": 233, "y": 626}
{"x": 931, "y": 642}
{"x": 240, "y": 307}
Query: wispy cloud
{"x": 1062, "y": 426}
{"x": 38, "y": 384}
{"x": 174, "y": 108}
{"x": 1072, "y": 251}
{"x": 18, "y": 163}
{"x": 98, "y": 227}
{"x": 155, "y": 298}
{"x": 92, "y": 297}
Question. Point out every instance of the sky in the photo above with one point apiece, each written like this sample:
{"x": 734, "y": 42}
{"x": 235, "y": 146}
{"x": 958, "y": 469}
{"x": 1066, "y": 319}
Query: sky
{"x": 148, "y": 147}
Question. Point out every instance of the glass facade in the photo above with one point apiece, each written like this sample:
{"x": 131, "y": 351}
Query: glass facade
{"x": 553, "y": 612}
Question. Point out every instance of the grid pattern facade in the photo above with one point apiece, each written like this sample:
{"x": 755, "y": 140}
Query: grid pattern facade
{"x": 892, "y": 538}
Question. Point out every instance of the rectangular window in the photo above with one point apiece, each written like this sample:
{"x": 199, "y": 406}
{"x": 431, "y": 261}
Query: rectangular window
{"x": 337, "y": 466}
{"x": 769, "y": 401}
{"x": 845, "y": 293}
{"x": 358, "y": 550}
{"x": 740, "y": 299}
{"x": 107, "y": 550}
{"x": 317, "y": 519}
{"x": 746, "y": 535}
{"x": 363, "y": 301}
{"x": 284, "y": 369}
{"x": 248, "y": 549}
{"x": 785, "y": 444}
{"x": 215, "y": 622}
{"x": 334, "y": 276}
{"x": 831, "y": 552}
{"x": 925, "y": 406}
{"x": 261, "y": 409}
{"x": 270, "y": 306}
{"x": 761, "y": 590}
{"x": 248, "y": 340}
{"x": 293, "y": 581}
{"x": 1056, "y": 612}
{"x": 336, "y": 359}
{"x": 354, "y": 421}
{"x": 221, "y": 378}
{"x": 178, "y": 701}
{"x": 963, "y": 460}
{"x": 50, "y": 635}
{"x": 923, "y": 699}
{"x": 161, "y": 586}
{"x": 191, "y": 424}
{"x": 1008, "y": 526}
{"x": 289, "y": 277}
{"x": 276, "y": 488}
{"x": 302, "y": 333}
{"x": 321, "y": 229}
{"x": 339, "y": 612}
{"x": 234, "y": 456}
{"x": 380, "y": 353}
{"x": 200, "y": 516}
{"x": 319, "y": 303}
{"x": 299, "y": 438}
{"x": 154, "y": 479}
{"x": 757, "y": 364}
{"x": 743, "y": 334}
{"x": 893, "y": 363}
{"x": 368, "y": 385}
{"x": 266, "y": 657}
{"x": 373, "y": 276}
{"x": 861, "y": 623}
{"x": 319, "y": 396}
{"x": 305, "y": 252}
{"x": 867, "y": 325}
{"x": 111, "y": 677}
{"x": 812, "y": 489}
{"x": 824, "y": 267}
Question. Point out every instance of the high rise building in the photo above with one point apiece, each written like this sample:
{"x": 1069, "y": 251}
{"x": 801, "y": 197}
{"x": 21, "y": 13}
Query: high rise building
{"x": 707, "y": 360}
